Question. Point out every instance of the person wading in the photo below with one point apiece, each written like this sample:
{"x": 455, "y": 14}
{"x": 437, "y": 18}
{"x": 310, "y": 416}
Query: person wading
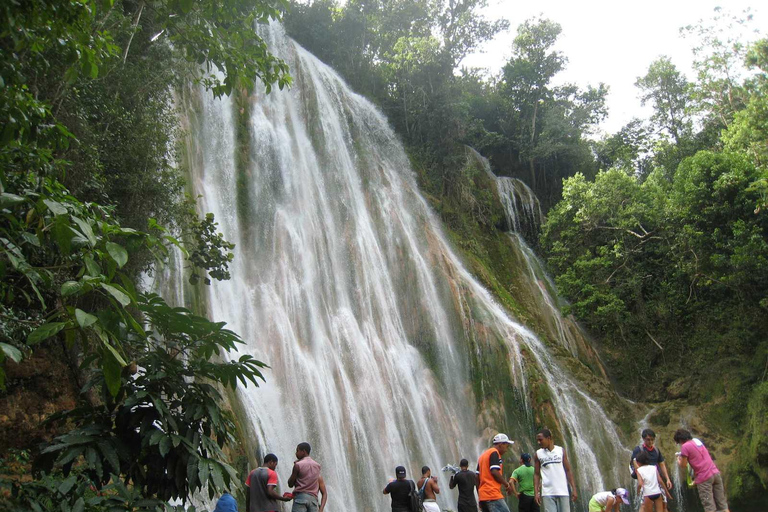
{"x": 399, "y": 490}
{"x": 262, "y": 495}
{"x": 428, "y": 484}
{"x": 552, "y": 475}
{"x": 307, "y": 482}
{"x": 466, "y": 481}
{"x": 491, "y": 476}
{"x": 523, "y": 476}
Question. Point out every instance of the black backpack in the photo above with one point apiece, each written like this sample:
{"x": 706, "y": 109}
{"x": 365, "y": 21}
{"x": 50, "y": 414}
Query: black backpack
{"x": 415, "y": 498}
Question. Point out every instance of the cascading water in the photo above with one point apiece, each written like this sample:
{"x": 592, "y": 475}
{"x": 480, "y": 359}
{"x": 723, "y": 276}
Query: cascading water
{"x": 379, "y": 340}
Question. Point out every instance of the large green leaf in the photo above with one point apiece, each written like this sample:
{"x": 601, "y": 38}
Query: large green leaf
{"x": 165, "y": 446}
{"x": 93, "y": 268}
{"x": 118, "y": 253}
{"x": 70, "y": 288}
{"x": 112, "y": 368}
{"x": 11, "y": 351}
{"x": 115, "y": 354}
{"x": 44, "y": 332}
{"x": 119, "y": 295}
{"x": 86, "y": 229}
{"x": 67, "y": 484}
{"x": 55, "y": 207}
{"x": 85, "y": 319}
{"x": 7, "y": 200}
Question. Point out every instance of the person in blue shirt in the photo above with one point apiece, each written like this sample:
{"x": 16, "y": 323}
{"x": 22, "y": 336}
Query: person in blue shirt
{"x": 226, "y": 503}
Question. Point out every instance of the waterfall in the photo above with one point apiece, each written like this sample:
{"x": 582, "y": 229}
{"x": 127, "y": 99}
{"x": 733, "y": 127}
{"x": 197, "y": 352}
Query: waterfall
{"x": 384, "y": 350}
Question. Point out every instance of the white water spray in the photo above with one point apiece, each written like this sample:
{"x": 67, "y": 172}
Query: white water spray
{"x": 345, "y": 285}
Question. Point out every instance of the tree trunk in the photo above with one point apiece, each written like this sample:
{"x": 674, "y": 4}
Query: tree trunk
{"x": 533, "y": 138}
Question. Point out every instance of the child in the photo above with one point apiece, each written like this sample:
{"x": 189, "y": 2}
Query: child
{"x": 649, "y": 480}
{"x": 609, "y": 501}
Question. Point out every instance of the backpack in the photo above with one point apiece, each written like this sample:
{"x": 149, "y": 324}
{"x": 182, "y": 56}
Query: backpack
{"x": 632, "y": 472}
{"x": 416, "y": 498}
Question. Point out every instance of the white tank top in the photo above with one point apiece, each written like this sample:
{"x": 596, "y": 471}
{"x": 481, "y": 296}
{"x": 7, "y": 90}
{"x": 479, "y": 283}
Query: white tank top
{"x": 553, "y": 480}
{"x": 602, "y": 497}
{"x": 650, "y": 480}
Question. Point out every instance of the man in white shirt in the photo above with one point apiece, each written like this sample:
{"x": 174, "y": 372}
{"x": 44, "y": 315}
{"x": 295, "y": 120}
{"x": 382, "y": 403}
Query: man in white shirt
{"x": 552, "y": 475}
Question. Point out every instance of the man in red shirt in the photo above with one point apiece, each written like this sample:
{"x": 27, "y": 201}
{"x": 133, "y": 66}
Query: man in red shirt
{"x": 262, "y": 495}
{"x": 491, "y": 476}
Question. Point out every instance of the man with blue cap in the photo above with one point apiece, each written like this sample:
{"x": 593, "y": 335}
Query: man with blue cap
{"x": 523, "y": 477}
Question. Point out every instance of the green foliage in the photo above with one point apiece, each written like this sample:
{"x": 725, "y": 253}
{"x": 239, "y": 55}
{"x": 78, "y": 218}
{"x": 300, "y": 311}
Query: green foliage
{"x": 668, "y": 91}
{"x": 164, "y": 428}
{"x": 209, "y": 251}
{"x": 641, "y": 262}
{"x": 88, "y": 127}
{"x": 718, "y": 60}
{"x": 625, "y": 149}
{"x": 541, "y": 125}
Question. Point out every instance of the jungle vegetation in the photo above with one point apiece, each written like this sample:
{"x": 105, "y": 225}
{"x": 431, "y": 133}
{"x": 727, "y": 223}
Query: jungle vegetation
{"x": 657, "y": 235}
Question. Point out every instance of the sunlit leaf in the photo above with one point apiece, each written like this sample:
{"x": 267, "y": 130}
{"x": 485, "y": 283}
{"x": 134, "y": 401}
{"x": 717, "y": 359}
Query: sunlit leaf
{"x": 119, "y": 295}
{"x": 85, "y": 319}
{"x": 70, "y": 288}
{"x": 55, "y": 207}
{"x": 12, "y": 352}
{"x": 118, "y": 253}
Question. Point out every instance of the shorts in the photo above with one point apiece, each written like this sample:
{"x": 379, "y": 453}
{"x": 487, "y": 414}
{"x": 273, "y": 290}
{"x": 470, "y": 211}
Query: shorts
{"x": 595, "y": 506}
{"x": 653, "y": 497}
{"x": 712, "y": 494}
{"x": 556, "y": 503}
{"x": 303, "y": 502}
{"x": 430, "y": 506}
{"x": 494, "y": 506}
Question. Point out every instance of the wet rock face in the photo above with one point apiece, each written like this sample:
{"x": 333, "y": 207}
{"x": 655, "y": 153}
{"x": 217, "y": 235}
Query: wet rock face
{"x": 679, "y": 388}
{"x": 36, "y": 389}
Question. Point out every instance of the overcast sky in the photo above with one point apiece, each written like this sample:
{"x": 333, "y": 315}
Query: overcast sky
{"x": 612, "y": 41}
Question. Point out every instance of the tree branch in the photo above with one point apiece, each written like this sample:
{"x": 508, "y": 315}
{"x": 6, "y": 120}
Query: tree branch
{"x": 654, "y": 340}
{"x": 133, "y": 31}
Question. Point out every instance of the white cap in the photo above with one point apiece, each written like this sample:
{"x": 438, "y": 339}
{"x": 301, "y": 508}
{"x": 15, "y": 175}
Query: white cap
{"x": 502, "y": 438}
{"x": 623, "y": 494}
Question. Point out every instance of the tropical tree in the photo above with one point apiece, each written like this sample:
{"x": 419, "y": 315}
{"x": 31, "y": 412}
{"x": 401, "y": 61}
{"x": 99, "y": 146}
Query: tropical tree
{"x": 669, "y": 92}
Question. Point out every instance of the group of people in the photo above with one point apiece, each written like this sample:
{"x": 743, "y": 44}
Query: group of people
{"x": 261, "y": 483}
{"x": 546, "y": 479}
{"x": 542, "y": 481}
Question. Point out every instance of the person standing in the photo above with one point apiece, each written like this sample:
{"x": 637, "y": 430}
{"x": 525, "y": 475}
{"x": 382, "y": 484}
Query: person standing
{"x": 655, "y": 458}
{"x": 706, "y": 476}
{"x": 399, "y": 490}
{"x": 523, "y": 476}
{"x": 552, "y": 475}
{"x": 261, "y": 495}
{"x": 307, "y": 482}
{"x": 650, "y": 484}
{"x": 491, "y": 476}
{"x": 466, "y": 481}
{"x": 429, "y": 489}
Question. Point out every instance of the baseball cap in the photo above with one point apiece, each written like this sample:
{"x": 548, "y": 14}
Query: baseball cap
{"x": 623, "y": 494}
{"x": 502, "y": 438}
{"x": 526, "y": 457}
{"x": 400, "y": 471}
